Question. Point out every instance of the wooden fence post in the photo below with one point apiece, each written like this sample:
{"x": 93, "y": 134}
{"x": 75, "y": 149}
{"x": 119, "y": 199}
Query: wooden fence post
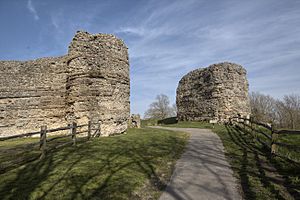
{"x": 73, "y": 130}
{"x": 255, "y": 132}
{"x": 251, "y": 127}
{"x": 99, "y": 128}
{"x": 43, "y": 141}
{"x": 250, "y": 124}
{"x": 89, "y": 129}
{"x": 274, "y": 138}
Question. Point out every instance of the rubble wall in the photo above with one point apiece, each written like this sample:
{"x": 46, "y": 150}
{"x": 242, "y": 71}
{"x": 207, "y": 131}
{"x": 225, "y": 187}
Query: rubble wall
{"x": 217, "y": 92}
{"x": 91, "y": 82}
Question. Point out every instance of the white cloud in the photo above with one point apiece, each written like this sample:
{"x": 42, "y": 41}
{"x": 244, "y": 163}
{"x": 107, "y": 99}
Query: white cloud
{"x": 132, "y": 30}
{"x": 54, "y": 22}
{"x": 167, "y": 39}
{"x": 171, "y": 39}
{"x": 32, "y": 9}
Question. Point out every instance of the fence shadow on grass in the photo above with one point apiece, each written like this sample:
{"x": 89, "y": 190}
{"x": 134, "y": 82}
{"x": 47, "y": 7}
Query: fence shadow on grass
{"x": 255, "y": 161}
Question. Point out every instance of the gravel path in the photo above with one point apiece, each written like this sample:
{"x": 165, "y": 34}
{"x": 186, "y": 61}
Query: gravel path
{"x": 203, "y": 171}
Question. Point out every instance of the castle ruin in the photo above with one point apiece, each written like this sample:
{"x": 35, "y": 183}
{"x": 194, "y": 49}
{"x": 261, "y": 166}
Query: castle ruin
{"x": 91, "y": 82}
{"x": 217, "y": 92}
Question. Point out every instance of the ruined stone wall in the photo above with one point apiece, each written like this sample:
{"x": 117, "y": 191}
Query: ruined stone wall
{"x": 91, "y": 82}
{"x": 134, "y": 121}
{"x": 214, "y": 93}
{"x": 31, "y": 94}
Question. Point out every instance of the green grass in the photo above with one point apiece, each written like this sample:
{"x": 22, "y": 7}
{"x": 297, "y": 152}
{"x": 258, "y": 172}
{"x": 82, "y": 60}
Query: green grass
{"x": 185, "y": 124}
{"x": 260, "y": 176}
{"x": 149, "y": 122}
{"x": 132, "y": 166}
{"x": 172, "y": 123}
{"x": 291, "y": 140}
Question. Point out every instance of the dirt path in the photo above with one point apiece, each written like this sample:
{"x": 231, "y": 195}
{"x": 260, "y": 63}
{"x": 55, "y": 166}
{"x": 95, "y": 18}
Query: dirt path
{"x": 202, "y": 172}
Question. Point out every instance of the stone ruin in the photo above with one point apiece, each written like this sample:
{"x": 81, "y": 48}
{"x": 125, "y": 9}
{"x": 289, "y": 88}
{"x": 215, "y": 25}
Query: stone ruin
{"x": 215, "y": 93}
{"x": 91, "y": 82}
{"x": 135, "y": 121}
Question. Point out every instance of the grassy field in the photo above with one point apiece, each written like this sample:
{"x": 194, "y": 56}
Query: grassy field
{"x": 149, "y": 122}
{"x": 260, "y": 176}
{"x": 133, "y": 166}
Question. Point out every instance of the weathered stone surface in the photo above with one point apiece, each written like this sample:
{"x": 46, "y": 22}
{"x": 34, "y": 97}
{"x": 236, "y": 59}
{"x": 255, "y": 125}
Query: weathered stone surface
{"x": 91, "y": 82}
{"x": 214, "y": 93}
{"x": 135, "y": 121}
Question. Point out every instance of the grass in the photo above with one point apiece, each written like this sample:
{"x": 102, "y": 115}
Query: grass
{"x": 185, "y": 124}
{"x": 260, "y": 176}
{"x": 292, "y": 140}
{"x": 149, "y": 122}
{"x": 172, "y": 122}
{"x": 133, "y": 166}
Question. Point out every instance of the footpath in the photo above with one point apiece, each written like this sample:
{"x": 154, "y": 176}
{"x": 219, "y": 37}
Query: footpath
{"x": 202, "y": 172}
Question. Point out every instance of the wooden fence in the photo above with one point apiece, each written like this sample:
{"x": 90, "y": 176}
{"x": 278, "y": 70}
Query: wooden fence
{"x": 272, "y": 138}
{"x": 44, "y": 133}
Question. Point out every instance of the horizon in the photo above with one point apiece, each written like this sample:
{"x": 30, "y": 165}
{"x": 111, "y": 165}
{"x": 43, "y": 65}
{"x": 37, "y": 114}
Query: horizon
{"x": 166, "y": 40}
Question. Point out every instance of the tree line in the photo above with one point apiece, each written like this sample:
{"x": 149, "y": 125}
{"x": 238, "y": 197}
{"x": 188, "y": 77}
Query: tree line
{"x": 283, "y": 113}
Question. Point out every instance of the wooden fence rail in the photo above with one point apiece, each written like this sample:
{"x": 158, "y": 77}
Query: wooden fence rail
{"x": 19, "y": 136}
{"x": 272, "y": 138}
{"x": 43, "y": 133}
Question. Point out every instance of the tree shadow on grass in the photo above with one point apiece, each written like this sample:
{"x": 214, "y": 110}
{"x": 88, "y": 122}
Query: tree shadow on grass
{"x": 108, "y": 169}
{"x": 255, "y": 162}
{"x": 30, "y": 176}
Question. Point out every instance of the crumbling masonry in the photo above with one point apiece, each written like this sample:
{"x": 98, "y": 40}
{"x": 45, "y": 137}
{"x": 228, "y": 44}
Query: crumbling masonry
{"x": 91, "y": 82}
{"x": 214, "y": 93}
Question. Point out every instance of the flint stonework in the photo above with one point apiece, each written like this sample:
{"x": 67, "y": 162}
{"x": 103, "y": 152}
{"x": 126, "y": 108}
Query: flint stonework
{"x": 91, "y": 82}
{"x": 217, "y": 92}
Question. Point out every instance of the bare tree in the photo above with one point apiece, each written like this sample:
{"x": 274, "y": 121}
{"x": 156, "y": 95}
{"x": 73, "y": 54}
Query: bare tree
{"x": 289, "y": 110}
{"x": 174, "y": 110}
{"x": 283, "y": 113}
{"x": 263, "y": 107}
{"x": 160, "y": 108}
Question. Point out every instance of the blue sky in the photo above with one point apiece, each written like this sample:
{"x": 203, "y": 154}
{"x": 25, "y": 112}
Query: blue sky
{"x": 166, "y": 39}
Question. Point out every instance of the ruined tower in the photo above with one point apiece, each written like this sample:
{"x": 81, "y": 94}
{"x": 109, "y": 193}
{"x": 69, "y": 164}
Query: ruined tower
{"x": 217, "y": 92}
{"x": 91, "y": 82}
